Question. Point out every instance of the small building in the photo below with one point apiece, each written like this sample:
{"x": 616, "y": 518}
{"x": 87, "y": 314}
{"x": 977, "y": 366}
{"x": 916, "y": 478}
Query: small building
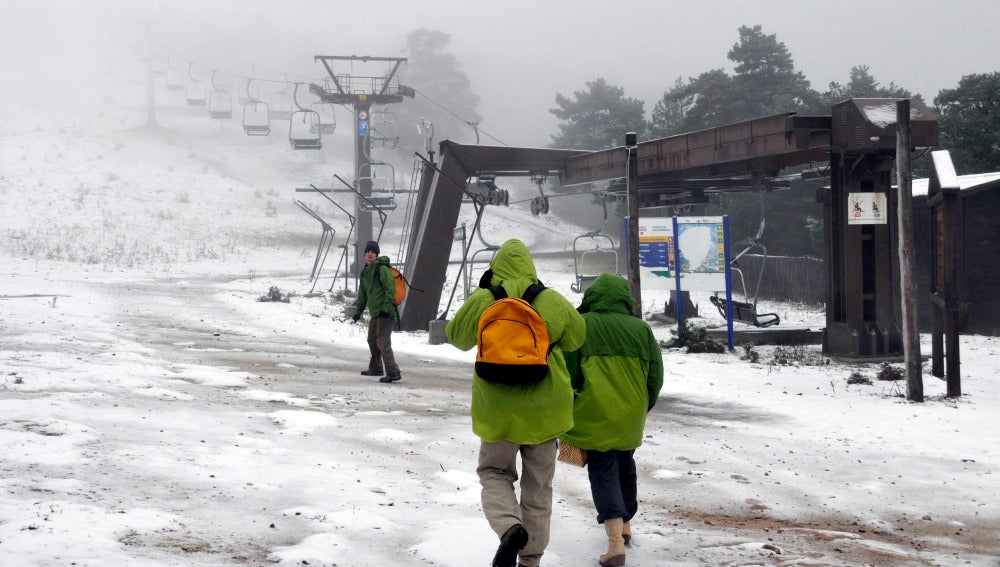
{"x": 977, "y": 245}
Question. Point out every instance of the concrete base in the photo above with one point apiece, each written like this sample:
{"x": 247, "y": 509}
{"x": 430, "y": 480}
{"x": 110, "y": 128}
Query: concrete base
{"x": 349, "y": 311}
{"x": 436, "y": 331}
{"x": 772, "y": 336}
{"x": 688, "y": 307}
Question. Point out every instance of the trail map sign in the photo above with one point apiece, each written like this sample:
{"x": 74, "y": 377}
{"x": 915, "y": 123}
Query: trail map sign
{"x": 656, "y": 253}
{"x": 701, "y": 244}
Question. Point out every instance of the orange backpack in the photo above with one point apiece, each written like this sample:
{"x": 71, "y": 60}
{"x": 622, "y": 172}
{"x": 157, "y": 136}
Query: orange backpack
{"x": 400, "y": 281}
{"x": 512, "y": 339}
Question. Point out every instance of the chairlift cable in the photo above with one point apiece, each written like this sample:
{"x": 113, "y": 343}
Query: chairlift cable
{"x": 463, "y": 120}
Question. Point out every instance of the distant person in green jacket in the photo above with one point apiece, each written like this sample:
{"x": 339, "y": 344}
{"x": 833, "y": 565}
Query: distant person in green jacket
{"x": 377, "y": 292}
{"x": 617, "y": 375}
{"x": 523, "y": 420}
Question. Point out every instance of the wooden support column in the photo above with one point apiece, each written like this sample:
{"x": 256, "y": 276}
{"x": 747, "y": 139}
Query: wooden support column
{"x": 907, "y": 262}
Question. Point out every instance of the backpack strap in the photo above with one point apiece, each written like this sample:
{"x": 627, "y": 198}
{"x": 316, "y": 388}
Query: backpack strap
{"x": 532, "y": 292}
{"x": 498, "y": 292}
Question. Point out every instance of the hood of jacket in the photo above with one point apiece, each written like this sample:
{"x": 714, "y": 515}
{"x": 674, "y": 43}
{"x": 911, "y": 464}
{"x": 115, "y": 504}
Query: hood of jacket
{"x": 513, "y": 263}
{"x": 609, "y": 293}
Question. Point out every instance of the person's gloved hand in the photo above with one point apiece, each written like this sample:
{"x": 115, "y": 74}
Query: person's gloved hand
{"x": 357, "y": 316}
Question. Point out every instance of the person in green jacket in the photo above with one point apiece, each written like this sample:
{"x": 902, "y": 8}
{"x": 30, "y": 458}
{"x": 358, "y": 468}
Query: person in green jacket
{"x": 522, "y": 419}
{"x": 377, "y": 292}
{"x": 617, "y": 375}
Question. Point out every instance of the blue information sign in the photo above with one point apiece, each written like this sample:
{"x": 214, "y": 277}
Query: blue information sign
{"x": 363, "y": 128}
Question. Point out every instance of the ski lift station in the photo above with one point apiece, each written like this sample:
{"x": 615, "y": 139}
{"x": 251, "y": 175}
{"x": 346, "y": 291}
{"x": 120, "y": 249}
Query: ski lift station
{"x": 854, "y": 147}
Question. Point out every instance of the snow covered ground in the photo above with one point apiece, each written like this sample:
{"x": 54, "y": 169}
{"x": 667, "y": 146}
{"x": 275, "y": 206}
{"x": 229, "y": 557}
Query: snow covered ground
{"x": 153, "y": 412}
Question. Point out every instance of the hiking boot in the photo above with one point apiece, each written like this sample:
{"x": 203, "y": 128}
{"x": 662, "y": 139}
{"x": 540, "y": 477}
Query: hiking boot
{"x": 615, "y": 557}
{"x": 390, "y": 378}
{"x": 512, "y": 541}
{"x": 371, "y": 372}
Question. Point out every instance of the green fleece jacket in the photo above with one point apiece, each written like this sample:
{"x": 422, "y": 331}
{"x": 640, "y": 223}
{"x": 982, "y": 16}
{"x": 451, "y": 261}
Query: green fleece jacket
{"x": 377, "y": 291}
{"x": 617, "y": 374}
{"x": 532, "y": 413}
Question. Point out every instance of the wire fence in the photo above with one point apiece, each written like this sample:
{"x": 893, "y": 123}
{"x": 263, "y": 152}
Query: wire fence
{"x": 800, "y": 279}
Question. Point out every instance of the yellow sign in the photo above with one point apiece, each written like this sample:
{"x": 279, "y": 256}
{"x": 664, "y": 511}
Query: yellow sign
{"x": 362, "y": 97}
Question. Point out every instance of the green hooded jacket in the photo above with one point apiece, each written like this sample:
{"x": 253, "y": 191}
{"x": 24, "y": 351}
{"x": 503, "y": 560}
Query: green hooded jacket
{"x": 377, "y": 291}
{"x": 617, "y": 374}
{"x": 533, "y": 413}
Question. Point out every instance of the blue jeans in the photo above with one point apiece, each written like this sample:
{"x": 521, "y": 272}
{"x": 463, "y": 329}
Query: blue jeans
{"x": 613, "y": 484}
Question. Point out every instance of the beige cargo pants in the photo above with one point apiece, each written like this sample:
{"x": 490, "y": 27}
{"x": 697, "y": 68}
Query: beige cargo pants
{"x": 497, "y": 474}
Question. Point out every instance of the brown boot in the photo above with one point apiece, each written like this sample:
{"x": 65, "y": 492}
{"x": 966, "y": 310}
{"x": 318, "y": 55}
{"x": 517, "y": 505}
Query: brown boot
{"x": 627, "y": 534}
{"x": 615, "y": 557}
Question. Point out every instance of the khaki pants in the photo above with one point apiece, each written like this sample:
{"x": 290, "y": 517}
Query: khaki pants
{"x": 498, "y": 473}
{"x": 380, "y": 345}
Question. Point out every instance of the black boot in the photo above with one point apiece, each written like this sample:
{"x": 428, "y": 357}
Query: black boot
{"x": 371, "y": 372}
{"x": 512, "y": 541}
{"x": 391, "y": 377}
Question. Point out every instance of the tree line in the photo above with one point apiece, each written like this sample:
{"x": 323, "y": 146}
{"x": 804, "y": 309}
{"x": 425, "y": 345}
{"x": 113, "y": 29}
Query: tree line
{"x": 765, "y": 82}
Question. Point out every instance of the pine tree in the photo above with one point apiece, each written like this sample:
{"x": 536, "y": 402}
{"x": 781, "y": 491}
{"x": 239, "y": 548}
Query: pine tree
{"x": 597, "y": 118}
{"x": 969, "y": 118}
{"x": 862, "y": 85}
{"x": 438, "y": 77}
{"x": 766, "y": 80}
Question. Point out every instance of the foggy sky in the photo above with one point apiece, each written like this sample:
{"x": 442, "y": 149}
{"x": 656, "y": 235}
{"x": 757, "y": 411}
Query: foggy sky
{"x": 517, "y": 53}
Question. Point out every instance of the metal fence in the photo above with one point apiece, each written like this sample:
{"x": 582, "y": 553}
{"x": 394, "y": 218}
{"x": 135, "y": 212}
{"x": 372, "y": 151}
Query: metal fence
{"x": 799, "y": 279}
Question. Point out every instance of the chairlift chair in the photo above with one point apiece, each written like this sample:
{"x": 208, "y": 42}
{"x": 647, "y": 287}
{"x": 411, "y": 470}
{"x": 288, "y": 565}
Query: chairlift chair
{"x": 158, "y": 65}
{"x": 195, "y": 93}
{"x": 377, "y": 203}
{"x": 220, "y": 105}
{"x": 327, "y": 117}
{"x": 304, "y": 127}
{"x": 281, "y": 104}
{"x": 195, "y": 90}
{"x": 256, "y": 118}
{"x": 304, "y": 131}
{"x": 746, "y": 311}
{"x": 379, "y": 184}
{"x": 384, "y": 129}
{"x": 597, "y": 238}
{"x": 174, "y": 79}
{"x": 487, "y": 249}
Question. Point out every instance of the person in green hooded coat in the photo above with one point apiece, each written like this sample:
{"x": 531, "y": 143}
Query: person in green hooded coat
{"x": 617, "y": 375}
{"x": 377, "y": 293}
{"x": 524, "y": 420}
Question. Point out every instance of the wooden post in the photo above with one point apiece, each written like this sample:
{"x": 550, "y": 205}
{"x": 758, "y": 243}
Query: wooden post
{"x": 907, "y": 262}
{"x": 632, "y": 190}
{"x": 942, "y": 196}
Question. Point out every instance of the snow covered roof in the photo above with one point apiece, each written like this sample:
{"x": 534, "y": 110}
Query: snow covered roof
{"x": 965, "y": 182}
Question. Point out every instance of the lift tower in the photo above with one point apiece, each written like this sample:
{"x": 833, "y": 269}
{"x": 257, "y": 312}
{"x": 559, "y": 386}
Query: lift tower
{"x": 361, "y": 92}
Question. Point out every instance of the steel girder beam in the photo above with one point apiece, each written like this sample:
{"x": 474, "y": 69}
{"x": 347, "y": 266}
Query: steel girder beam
{"x": 764, "y": 144}
{"x": 437, "y": 214}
